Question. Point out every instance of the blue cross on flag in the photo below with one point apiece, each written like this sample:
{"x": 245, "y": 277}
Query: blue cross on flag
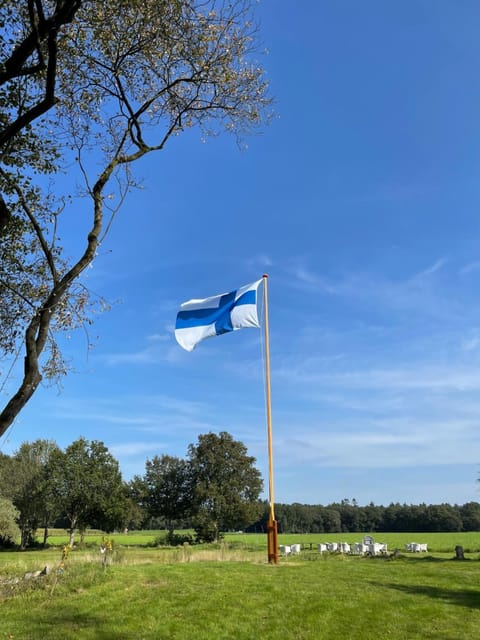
{"x": 200, "y": 319}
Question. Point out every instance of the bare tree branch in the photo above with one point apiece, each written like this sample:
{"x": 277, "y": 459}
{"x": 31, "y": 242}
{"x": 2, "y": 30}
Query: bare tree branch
{"x": 41, "y": 29}
{"x": 161, "y": 66}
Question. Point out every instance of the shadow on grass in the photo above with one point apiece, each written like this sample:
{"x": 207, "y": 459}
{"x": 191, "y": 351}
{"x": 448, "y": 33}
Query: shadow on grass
{"x": 464, "y": 597}
{"x": 402, "y": 557}
{"x": 75, "y": 622}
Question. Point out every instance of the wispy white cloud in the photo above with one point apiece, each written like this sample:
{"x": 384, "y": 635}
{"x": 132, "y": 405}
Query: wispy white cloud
{"x": 470, "y": 267}
{"x": 301, "y": 276}
{"x": 157, "y": 350}
{"x": 144, "y": 356}
{"x": 154, "y": 414}
{"x": 136, "y": 448}
{"x": 433, "y": 268}
{"x": 260, "y": 261}
{"x": 399, "y": 443}
{"x": 441, "y": 378}
{"x": 158, "y": 337}
{"x": 175, "y": 404}
{"x": 426, "y": 294}
{"x": 472, "y": 343}
{"x": 415, "y": 377}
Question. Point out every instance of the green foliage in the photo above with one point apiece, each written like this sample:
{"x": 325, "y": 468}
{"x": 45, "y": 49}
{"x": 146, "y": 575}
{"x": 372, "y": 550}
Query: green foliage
{"x": 137, "y": 505}
{"x": 109, "y": 78}
{"x": 206, "y": 527}
{"x": 215, "y": 489}
{"x": 350, "y": 517}
{"x": 172, "y": 539}
{"x": 30, "y": 256}
{"x": 31, "y": 488}
{"x": 226, "y": 485}
{"x": 9, "y": 531}
{"x": 87, "y": 482}
{"x": 5, "y": 475}
{"x": 168, "y": 489}
{"x": 470, "y": 514}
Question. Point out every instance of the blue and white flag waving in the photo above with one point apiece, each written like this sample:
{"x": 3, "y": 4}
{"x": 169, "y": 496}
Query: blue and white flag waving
{"x": 200, "y": 319}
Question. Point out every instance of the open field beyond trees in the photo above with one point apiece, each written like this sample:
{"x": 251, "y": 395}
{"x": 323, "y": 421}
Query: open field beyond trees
{"x": 229, "y": 591}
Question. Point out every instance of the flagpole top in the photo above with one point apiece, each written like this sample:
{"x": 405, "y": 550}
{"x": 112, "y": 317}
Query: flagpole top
{"x": 265, "y": 275}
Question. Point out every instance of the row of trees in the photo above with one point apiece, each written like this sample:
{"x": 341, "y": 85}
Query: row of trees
{"x": 215, "y": 488}
{"x": 348, "y": 516}
{"x": 78, "y": 486}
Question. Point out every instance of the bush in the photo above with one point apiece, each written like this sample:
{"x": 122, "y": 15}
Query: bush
{"x": 179, "y": 539}
{"x": 172, "y": 540}
{"x": 6, "y": 542}
{"x": 205, "y": 529}
{"x": 9, "y": 531}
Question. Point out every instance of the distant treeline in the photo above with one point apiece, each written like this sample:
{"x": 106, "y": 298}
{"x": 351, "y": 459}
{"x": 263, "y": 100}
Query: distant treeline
{"x": 348, "y": 517}
{"x": 215, "y": 489}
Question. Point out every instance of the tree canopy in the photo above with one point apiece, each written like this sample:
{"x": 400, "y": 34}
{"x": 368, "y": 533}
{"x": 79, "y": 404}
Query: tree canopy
{"x": 31, "y": 489}
{"x": 87, "y": 482}
{"x": 169, "y": 489}
{"x": 226, "y": 485}
{"x": 96, "y": 85}
{"x": 215, "y": 489}
{"x": 9, "y": 530}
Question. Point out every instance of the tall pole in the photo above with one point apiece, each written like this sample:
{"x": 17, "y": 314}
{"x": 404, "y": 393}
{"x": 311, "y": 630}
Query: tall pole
{"x": 272, "y": 528}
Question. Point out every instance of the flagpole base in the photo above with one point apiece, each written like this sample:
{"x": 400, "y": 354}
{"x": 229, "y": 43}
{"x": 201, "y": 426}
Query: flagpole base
{"x": 272, "y": 541}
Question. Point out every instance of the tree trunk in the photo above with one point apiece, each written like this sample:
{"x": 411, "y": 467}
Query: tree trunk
{"x": 19, "y": 400}
{"x": 23, "y": 539}
{"x": 36, "y": 333}
{"x": 71, "y": 532}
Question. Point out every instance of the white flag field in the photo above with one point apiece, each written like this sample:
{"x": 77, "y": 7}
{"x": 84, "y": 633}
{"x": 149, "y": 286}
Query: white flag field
{"x": 208, "y": 317}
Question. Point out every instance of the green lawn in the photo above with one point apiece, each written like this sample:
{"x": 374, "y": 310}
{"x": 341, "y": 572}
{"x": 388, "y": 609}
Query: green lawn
{"x": 437, "y": 542}
{"x": 229, "y": 591}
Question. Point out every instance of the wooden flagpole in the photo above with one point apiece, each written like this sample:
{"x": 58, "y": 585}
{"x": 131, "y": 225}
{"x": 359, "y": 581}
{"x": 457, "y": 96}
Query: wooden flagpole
{"x": 272, "y": 529}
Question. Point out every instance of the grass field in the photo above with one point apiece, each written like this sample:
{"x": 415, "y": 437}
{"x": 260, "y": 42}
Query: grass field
{"x": 437, "y": 542}
{"x": 229, "y": 591}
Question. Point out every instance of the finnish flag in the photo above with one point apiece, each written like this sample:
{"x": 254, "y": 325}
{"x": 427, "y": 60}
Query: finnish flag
{"x": 200, "y": 319}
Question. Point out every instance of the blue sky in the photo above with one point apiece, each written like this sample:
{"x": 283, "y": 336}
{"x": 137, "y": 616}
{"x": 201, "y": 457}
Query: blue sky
{"x": 361, "y": 202}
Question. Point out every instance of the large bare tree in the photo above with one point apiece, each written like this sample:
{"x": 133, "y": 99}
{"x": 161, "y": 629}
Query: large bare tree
{"x": 99, "y": 84}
